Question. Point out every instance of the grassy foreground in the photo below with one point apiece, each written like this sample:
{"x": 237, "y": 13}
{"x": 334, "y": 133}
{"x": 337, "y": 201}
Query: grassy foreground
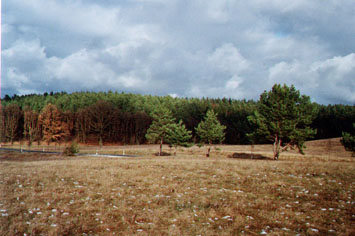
{"x": 183, "y": 195}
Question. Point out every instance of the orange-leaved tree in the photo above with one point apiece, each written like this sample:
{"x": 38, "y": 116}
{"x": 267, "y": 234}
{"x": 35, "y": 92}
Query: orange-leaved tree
{"x": 54, "y": 129}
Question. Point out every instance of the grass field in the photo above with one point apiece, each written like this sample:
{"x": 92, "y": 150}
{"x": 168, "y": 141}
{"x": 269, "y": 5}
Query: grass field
{"x": 186, "y": 194}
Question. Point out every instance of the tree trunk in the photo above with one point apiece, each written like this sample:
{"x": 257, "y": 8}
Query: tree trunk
{"x": 208, "y": 150}
{"x": 100, "y": 142}
{"x": 161, "y": 147}
{"x": 276, "y": 148}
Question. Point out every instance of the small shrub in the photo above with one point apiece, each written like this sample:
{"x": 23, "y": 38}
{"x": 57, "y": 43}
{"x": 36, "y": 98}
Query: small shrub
{"x": 348, "y": 141}
{"x": 200, "y": 145}
{"x": 71, "y": 150}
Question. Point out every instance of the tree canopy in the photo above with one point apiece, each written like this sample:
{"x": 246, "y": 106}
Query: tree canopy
{"x": 284, "y": 117}
{"x": 179, "y": 136}
{"x": 210, "y": 130}
{"x": 132, "y": 116}
{"x": 53, "y": 127}
{"x": 161, "y": 126}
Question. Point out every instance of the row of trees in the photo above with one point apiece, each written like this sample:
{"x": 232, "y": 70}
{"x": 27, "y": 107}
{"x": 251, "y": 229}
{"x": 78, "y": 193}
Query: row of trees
{"x": 282, "y": 116}
{"x": 164, "y": 129}
{"x": 126, "y": 118}
{"x": 138, "y": 109}
{"x": 96, "y": 123}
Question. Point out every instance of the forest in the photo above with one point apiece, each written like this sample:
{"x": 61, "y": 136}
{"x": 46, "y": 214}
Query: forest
{"x": 124, "y": 118}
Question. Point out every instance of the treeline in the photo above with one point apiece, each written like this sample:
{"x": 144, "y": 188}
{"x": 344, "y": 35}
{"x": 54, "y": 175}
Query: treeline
{"x": 111, "y": 117}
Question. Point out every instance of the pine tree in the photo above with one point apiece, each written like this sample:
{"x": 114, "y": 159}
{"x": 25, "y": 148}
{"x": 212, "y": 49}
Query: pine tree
{"x": 179, "y": 136}
{"x": 161, "y": 126}
{"x": 210, "y": 130}
{"x": 284, "y": 117}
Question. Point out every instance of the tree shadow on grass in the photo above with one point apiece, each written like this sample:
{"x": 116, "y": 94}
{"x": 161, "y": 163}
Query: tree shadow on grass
{"x": 162, "y": 154}
{"x": 249, "y": 156}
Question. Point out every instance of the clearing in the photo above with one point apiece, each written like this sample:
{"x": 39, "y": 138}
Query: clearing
{"x": 186, "y": 194}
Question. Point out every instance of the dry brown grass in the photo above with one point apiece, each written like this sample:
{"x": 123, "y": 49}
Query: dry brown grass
{"x": 183, "y": 195}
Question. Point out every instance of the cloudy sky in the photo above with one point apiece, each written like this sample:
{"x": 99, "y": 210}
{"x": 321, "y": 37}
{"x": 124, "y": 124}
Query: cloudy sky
{"x": 186, "y": 48}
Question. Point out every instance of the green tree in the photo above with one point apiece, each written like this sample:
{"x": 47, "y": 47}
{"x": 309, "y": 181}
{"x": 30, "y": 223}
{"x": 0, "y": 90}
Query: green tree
{"x": 72, "y": 149}
{"x": 161, "y": 126}
{"x": 179, "y": 136}
{"x": 210, "y": 130}
{"x": 348, "y": 141}
{"x": 284, "y": 117}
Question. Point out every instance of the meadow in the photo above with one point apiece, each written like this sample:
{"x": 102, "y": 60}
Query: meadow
{"x": 186, "y": 194}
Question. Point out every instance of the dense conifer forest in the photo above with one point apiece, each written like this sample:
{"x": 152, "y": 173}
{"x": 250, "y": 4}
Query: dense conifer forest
{"x": 121, "y": 118}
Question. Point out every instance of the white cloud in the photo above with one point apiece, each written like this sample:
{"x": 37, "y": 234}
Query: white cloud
{"x": 229, "y": 65}
{"x": 6, "y": 28}
{"x": 234, "y": 83}
{"x": 337, "y": 76}
{"x": 24, "y": 50}
{"x": 340, "y": 66}
{"x": 96, "y": 74}
{"x": 217, "y": 10}
{"x": 16, "y": 78}
{"x": 75, "y": 16}
{"x": 228, "y": 58}
{"x": 327, "y": 80}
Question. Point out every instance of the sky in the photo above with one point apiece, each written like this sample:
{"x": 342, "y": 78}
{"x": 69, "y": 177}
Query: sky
{"x": 184, "y": 48}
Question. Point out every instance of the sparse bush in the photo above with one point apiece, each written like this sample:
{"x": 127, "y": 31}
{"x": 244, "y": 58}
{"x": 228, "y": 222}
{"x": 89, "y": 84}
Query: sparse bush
{"x": 348, "y": 141}
{"x": 72, "y": 149}
{"x": 200, "y": 145}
